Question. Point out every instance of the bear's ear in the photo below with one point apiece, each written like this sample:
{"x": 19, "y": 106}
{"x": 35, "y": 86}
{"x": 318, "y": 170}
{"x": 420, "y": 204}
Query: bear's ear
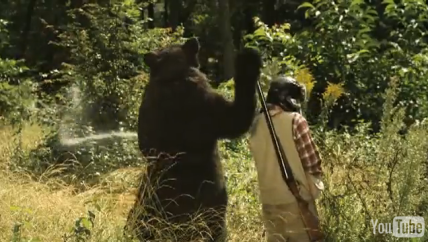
{"x": 150, "y": 59}
{"x": 191, "y": 46}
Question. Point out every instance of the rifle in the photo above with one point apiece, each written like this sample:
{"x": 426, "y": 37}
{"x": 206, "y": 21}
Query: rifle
{"x": 310, "y": 220}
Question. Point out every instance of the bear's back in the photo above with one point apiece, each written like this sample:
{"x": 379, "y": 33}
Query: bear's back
{"x": 172, "y": 116}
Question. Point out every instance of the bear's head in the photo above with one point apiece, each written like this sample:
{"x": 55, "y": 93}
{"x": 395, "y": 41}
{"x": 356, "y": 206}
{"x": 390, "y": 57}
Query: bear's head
{"x": 173, "y": 61}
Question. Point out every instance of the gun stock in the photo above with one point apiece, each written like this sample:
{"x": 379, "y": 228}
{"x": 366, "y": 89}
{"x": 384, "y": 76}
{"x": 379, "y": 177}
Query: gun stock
{"x": 309, "y": 219}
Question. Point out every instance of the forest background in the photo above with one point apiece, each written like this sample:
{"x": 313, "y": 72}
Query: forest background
{"x": 71, "y": 69}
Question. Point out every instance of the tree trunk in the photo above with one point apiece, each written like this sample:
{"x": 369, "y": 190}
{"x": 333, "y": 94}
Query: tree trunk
{"x": 269, "y": 13}
{"x": 142, "y": 15}
{"x": 77, "y": 3}
{"x": 151, "y": 15}
{"x": 166, "y": 13}
{"x": 175, "y": 11}
{"x": 250, "y": 11}
{"x": 27, "y": 26}
{"x": 227, "y": 40}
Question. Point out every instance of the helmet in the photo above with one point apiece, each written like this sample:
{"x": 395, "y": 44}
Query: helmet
{"x": 287, "y": 93}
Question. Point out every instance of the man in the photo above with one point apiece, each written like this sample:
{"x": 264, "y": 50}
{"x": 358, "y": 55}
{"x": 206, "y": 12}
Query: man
{"x": 281, "y": 213}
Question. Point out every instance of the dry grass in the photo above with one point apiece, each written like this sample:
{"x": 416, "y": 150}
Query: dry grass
{"x": 47, "y": 209}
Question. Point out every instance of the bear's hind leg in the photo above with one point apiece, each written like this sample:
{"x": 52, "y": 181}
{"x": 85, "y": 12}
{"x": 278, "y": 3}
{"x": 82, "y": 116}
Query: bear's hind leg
{"x": 137, "y": 226}
{"x": 218, "y": 230}
{"x": 216, "y": 224}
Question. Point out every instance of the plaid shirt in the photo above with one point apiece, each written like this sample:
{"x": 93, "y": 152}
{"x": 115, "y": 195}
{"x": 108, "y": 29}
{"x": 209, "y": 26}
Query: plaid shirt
{"x": 308, "y": 151}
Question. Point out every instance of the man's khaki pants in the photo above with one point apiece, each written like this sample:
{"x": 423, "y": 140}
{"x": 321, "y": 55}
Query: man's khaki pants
{"x": 284, "y": 224}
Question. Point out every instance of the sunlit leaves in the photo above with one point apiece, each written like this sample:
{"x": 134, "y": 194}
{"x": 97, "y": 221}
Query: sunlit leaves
{"x": 304, "y": 76}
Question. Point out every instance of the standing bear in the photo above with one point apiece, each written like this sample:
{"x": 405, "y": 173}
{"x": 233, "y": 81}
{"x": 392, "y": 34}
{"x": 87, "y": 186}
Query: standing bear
{"x": 183, "y": 195}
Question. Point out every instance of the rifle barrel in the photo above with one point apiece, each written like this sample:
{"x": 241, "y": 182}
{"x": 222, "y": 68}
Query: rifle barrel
{"x": 273, "y": 134}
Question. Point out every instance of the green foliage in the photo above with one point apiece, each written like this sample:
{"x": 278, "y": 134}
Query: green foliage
{"x": 380, "y": 176}
{"x": 106, "y": 56}
{"x": 16, "y": 101}
{"x": 101, "y": 66}
{"x": 17, "y": 235}
{"x": 4, "y": 35}
{"x": 271, "y": 41}
{"x": 341, "y": 48}
{"x": 82, "y": 229}
{"x": 16, "y": 93}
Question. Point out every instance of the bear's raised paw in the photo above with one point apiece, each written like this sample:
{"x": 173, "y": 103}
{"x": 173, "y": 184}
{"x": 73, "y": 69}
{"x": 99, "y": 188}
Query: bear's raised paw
{"x": 250, "y": 58}
{"x": 248, "y": 63}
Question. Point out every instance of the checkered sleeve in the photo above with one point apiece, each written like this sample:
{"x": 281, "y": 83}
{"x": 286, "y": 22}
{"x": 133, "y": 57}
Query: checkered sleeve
{"x": 308, "y": 151}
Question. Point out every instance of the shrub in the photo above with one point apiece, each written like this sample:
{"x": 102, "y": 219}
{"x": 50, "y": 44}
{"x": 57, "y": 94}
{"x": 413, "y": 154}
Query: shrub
{"x": 373, "y": 177}
{"x": 17, "y": 99}
{"x": 106, "y": 56}
{"x": 343, "y": 48}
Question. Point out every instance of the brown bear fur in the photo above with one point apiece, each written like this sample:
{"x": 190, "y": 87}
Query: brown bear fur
{"x": 180, "y": 120}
